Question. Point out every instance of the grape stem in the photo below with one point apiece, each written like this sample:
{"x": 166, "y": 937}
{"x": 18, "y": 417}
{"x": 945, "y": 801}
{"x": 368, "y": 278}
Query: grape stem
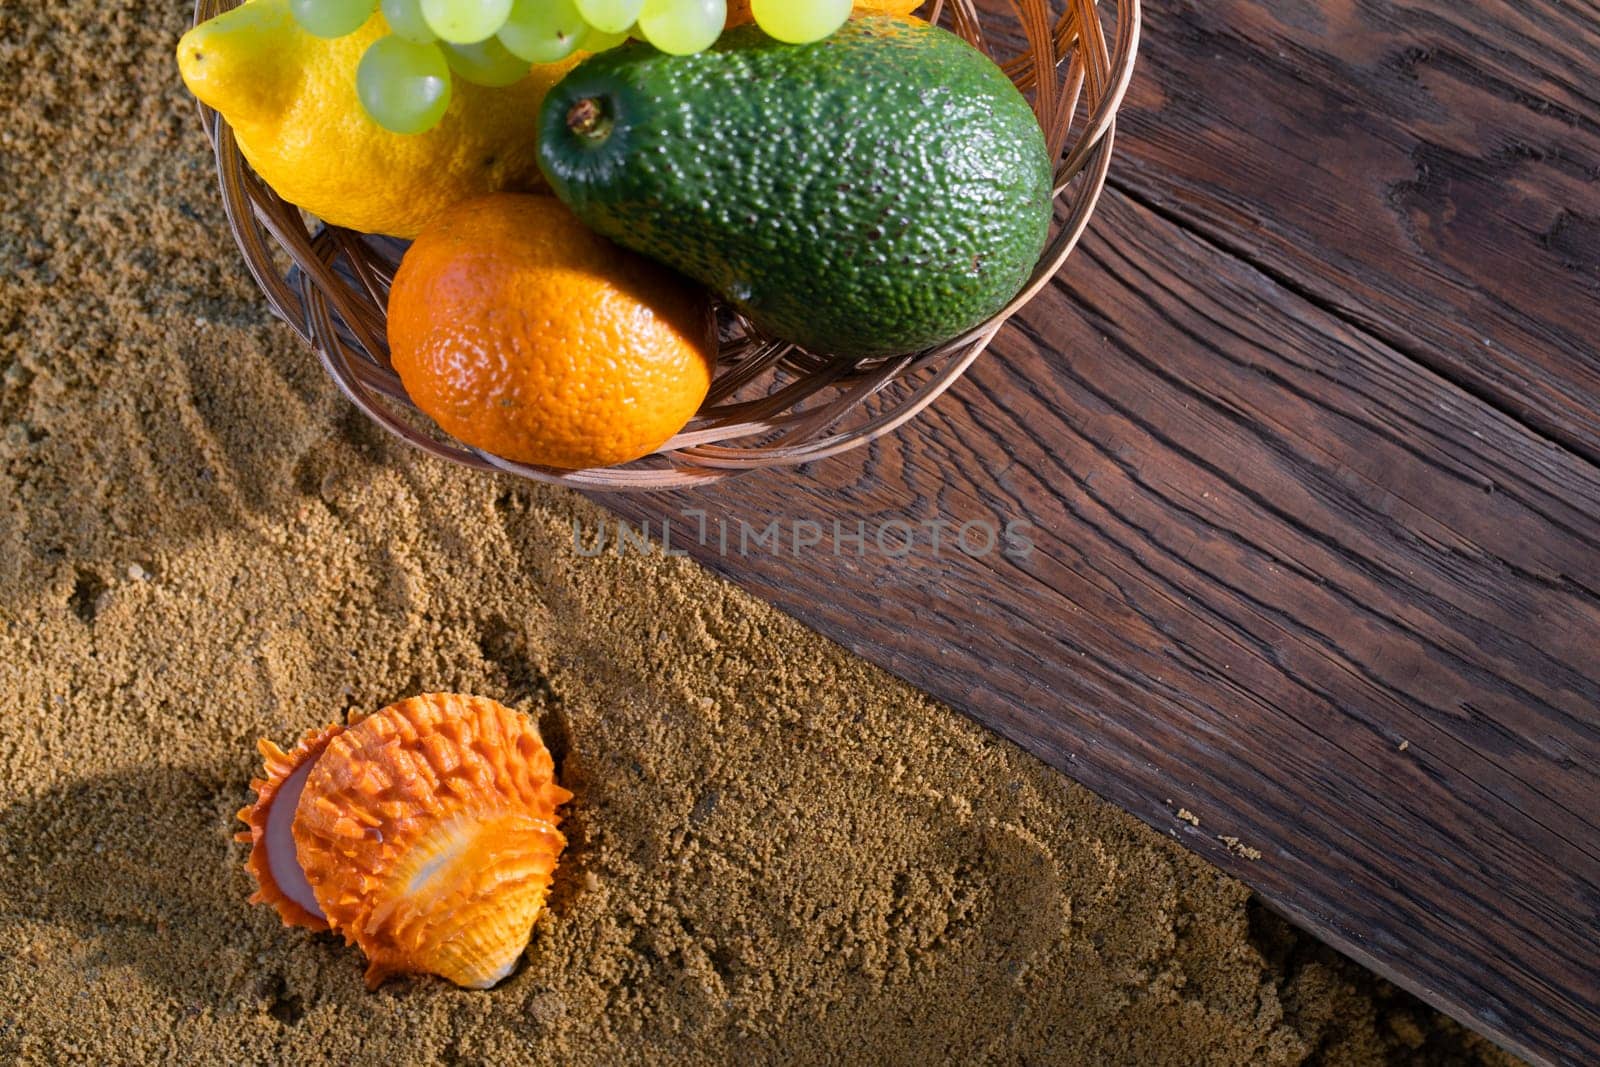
{"x": 588, "y": 119}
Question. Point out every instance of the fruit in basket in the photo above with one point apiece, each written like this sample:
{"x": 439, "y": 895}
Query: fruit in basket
{"x": 292, "y": 101}
{"x": 682, "y": 27}
{"x": 405, "y": 20}
{"x": 465, "y": 21}
{"x": 610, "y": 16}
{"x": 799, "y": 23}
{"x": 739, "y": 13}
{"x": 403, "y": 85}
{"x": 487, "y": 63}
{"x": 544, "y": 31}
{"x": 331, "y": 18}
{"x": 523, "y": 333}
{"x": 875, "y": 193}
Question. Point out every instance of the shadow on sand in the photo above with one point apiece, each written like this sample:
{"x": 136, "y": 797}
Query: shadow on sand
{"x": 139, "y": 864}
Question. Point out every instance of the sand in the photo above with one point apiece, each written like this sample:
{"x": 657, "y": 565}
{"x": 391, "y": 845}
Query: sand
{"x": 778, "y": 853}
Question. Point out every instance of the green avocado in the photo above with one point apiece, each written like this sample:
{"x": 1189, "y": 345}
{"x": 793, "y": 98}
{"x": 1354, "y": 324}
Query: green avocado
{"x": 875, "y": 193}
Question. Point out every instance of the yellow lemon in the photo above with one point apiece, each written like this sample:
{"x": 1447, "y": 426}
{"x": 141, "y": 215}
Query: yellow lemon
{"x": 291, "y": 101}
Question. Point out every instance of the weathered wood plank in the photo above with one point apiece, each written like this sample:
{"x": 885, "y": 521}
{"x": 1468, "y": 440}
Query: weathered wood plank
{"x": 1428, "y": 169}
{"x": 1284, "y": 577}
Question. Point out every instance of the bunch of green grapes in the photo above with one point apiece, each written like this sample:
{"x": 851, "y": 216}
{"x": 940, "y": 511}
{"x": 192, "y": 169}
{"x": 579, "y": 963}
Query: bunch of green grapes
{"x": 404, "y": 78}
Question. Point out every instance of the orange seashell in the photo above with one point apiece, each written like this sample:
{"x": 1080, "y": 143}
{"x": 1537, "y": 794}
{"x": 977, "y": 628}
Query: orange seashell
{"x": 427, "y": 833}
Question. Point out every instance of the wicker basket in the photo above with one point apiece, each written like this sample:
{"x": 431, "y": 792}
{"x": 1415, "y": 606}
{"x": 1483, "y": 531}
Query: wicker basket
{"x": 772, "y": 404}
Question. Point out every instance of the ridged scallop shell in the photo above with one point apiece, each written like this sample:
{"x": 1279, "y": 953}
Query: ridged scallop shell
{"x": 428, "y": 835}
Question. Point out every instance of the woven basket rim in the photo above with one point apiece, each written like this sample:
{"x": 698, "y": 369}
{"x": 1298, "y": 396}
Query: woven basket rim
{"x": 334, "y": 293}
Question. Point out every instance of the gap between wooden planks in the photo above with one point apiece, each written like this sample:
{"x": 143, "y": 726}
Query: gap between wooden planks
{"x": 1271, "y": 550}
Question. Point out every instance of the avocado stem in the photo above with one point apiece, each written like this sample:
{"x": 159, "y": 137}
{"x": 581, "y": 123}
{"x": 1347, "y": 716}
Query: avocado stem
{"x": 588, "y": 119}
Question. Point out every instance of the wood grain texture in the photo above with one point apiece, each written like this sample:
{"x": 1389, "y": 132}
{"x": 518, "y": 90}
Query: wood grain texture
{"x": 1428, "y": 169}
{"x": 1286, "y": 578}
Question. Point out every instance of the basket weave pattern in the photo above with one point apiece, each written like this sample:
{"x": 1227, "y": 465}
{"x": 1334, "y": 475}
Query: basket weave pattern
{"x": 772, "y": 404}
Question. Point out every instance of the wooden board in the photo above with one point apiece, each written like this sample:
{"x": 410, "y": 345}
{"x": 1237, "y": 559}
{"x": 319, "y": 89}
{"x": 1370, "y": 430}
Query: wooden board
{"x": 1307, "y": 435}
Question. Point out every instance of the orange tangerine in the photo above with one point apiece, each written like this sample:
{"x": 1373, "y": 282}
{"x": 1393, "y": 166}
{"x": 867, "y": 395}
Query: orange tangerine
{"x": 525, "y": 334}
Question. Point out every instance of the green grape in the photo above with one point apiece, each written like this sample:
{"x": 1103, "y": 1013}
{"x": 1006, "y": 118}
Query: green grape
{"x": 800, "y": 21}
{"x": 404, "y": 86}
{"x": 486, "y": 63}
{"x": 331, "y": 18}
{"x": 465, "y": 21}
{"x": 543, "y": 31}
{"x": 610, "y": 16}
{"x": 405, "y": 20}
{"x": 683, "y": 27}
{"x": 600, "y": 41}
